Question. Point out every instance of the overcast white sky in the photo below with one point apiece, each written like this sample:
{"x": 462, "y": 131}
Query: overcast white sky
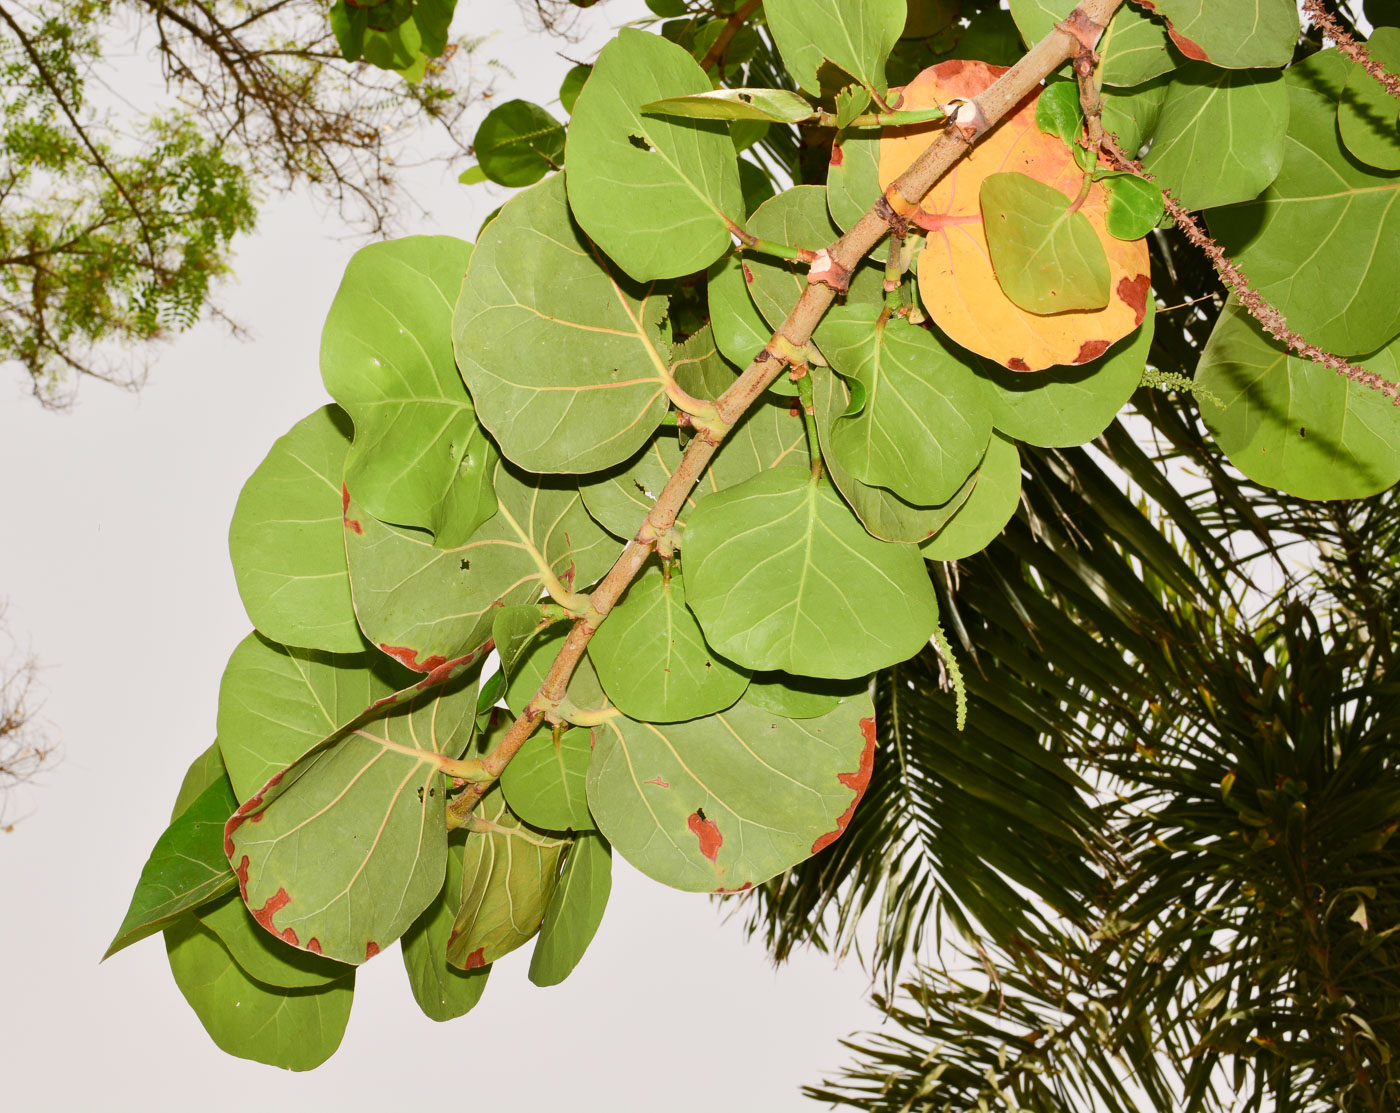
{"x": 113, "y": 556}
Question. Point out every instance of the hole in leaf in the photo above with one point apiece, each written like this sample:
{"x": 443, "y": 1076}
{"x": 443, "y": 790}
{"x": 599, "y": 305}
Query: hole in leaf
{"x": 640, "y": 143}
{"x": 1302, "y": 430}
{"x": 466, "y": 565}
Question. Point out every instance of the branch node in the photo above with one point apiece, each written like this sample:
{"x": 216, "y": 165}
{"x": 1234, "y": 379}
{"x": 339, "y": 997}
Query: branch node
{"x": 829, "y": 271}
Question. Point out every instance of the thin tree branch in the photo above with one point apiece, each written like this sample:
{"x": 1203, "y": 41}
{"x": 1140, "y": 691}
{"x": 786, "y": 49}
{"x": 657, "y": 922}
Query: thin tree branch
{"x": 1348, "y": 45}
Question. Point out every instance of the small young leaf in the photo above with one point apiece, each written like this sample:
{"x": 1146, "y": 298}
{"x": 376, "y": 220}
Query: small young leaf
{"x": 726, "y": 802}
{"x": 850, "y": 103}
{"x": 781, "y": 575}
{"x": 532, "y": 664}
{"x": 296, "y": 1029}
{"x": 287, "y": 543}
{"x": 652, "y": 658}
{"x": 572, "y": 85}
{"x": 575, "y": 910}
{"x": 187, "y": 867}
{"x": 987, "y": 509}
{"x": 1134, "y": 206}
{"x": 1058, "y": 112}
{"x": 472, "y": 175}
{"x": 1047, "y": 258}
{"x": 518, "y": 144}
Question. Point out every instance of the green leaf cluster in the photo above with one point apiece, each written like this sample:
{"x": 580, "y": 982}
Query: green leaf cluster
{"x": 694, "y": 519}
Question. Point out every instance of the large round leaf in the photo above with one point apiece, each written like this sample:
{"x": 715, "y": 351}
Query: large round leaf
{"x": 275, "y": 703}
{"x": 1322, "y": 243}
{"x": 782, "y": 576}
{"x": 920, "y": 423}
{"x": 419, "y": 458}
{"x": 854, "y": 35}
{"x": 285, "y": 540}
{"x": 1235, "y": 34}
{"x": 1294, "y": 424}
{"x": 1068, "y": 405}
{"x": 1219, "y": 137}
{"x": 340, "y": 852}
{"x": 883, "y": 513}
{"x": 399, "y": 579}
{"x": 518, "y": 143}
{"x": 567, "y": 361}
{"x": 730, "y": 800}
{"x": 652, "y": 658}
{"x": 956, "y": 280}
{"x": 654, "y": 192}
{"x": 292, "y": 1029}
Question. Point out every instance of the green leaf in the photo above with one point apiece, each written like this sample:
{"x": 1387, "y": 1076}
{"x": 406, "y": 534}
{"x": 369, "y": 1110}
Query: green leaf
{"x": 987, "y": 510}
{"x": 1340, "y": 292}
{"x": 419, "y": 458}
{"x": 850, "y": 103}
{"x": 1132, "y": 49}
{"x": 1132, "y": 114}
{"x": 204, "y": 771}
{"x": 285, "y": 540}
{"x": 922, "y": 423}
{"x": 572, "y": 85}
{"x": 799, "y": 217}
{"x": 434, "y": 20}
{"x": 656, "y": 195}
{"x": 1064, "y": 406}
{"x": 1058, "y": 112}
{"x": 739, "y": 328}
{"x": 296, "y": 1029}
{"x": 544, "y": 782}
{"x": 1047, "y": 258}
{"x": 442, "y": 991}
{"x": 399, "y": 579}
{"x": 652, "y": 658}
{"x": 1219, "y": 138}
{"x": 518, "y": 143}
{"x": 778, "y": 105}
{"x": 1235, "y": 35}
{"x": 575, "y": 910}
{"x": 276, "y": 702}
{"x": 883, "y": 513}
{"x": 340, "y": 852}
{"x": 1134, "y": 206}
{"x": 513, "y": 629}
{"x": 855, "y": 35}
{"x": 726, "y": 802}
{"x": 566, "y": 361}
{"x": 853, "y": 177}
{"x": 508, "y": 876}
{"x": 472, "y": 175}
{"x": 1294, "y": 424}
{"x": 782, "y": 576}
{"x": 261, "y": 955}
{"x": 348, "y": 25}
{"x": 756, "y": 184}
{"x": 621, "y": 497}
{"x": 1367, "y": 114}
{"x": 801, "y": 697}
{"x": 186, "y": 868}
